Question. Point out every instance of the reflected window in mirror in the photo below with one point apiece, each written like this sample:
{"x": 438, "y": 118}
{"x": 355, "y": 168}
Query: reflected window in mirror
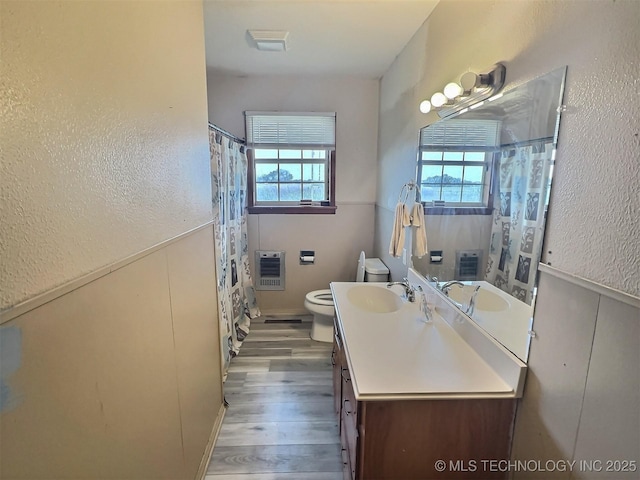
{"x": 455, "y": 166}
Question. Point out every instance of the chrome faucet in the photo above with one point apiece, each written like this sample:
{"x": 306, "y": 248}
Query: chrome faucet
{"x": 472, "y": 301}
{"x": 446, "y": 286}
{"x": 409, "y": 291}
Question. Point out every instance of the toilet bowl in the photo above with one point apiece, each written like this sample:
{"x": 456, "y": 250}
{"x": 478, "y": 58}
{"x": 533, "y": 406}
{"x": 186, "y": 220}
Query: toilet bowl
{"x": 320, "y": 302}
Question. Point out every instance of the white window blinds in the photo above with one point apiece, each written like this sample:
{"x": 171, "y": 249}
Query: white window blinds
{"x": 281, "y": 129}
{"x": 461, "y": 133}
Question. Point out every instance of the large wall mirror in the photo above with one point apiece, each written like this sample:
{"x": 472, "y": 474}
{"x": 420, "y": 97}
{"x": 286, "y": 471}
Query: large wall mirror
{"x": 485, "y": 178}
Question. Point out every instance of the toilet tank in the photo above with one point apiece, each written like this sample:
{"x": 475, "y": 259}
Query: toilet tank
{"x": 375, "y": 270}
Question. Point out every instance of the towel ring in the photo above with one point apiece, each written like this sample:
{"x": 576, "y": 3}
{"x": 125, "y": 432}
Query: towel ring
{"x": 406, "y": 189}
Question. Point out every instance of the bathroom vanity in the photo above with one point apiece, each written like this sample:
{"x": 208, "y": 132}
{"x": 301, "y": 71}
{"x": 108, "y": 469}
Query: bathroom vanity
{"x": 418, "y": 400}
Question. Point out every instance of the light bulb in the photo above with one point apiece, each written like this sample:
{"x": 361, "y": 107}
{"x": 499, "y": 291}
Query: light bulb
{"x": 438, "y": 99}
{"x": 468, "y": 81}
{"x": 425, "y": 106}
{"x": 452, "y": 90}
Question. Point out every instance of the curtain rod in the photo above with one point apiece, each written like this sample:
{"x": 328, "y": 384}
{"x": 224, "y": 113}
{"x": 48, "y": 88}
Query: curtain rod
{"x": 227, "y": 134}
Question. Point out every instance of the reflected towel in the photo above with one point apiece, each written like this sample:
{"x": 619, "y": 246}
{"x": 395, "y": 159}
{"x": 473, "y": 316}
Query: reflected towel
{"x": 420, "y": 243}
{"x": 400, "y": 221}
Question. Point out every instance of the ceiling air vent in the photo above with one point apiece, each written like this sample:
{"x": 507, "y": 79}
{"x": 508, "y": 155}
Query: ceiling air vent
{"x": 270, "y": 40}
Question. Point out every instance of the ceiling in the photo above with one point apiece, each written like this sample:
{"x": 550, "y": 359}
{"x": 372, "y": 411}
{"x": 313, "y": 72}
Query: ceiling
{"x": 326, "y": 37}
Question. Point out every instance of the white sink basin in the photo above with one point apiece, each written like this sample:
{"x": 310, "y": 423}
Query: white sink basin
{"x": 485, "y": 300}
{"x": 374, "y": 299}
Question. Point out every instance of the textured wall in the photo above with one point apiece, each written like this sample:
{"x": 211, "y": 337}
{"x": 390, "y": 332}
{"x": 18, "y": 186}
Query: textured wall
{"x": 593, "y": 227}
{"x": 103, "y": 135}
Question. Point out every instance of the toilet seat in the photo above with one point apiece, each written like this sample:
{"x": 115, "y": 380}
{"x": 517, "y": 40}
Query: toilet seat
{"x": 320, "y": 297}
{"x": 320, "y": 304}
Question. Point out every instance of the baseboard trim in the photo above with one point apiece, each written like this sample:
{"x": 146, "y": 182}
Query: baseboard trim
{"x": 591, "y": 285}
{"x": 50, "y": 295}
{"x": 215, "y": 432}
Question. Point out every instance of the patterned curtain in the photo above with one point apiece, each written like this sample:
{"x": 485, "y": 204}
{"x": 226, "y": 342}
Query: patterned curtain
{"x": 518, "y": 220}
{"x": 236, "y": 296}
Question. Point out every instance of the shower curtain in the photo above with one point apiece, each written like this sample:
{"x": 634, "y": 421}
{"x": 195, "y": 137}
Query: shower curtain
{"x": 518, "y": 219}
{"x": 236, "y": 296}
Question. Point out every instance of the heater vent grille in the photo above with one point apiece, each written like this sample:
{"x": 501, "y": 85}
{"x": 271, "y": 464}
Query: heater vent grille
{"x": 468, "y": 263}
{"x": 270, "y": 269}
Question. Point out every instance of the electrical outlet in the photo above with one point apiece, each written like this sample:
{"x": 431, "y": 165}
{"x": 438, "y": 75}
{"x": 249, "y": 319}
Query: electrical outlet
{"x": 404, "y": 256}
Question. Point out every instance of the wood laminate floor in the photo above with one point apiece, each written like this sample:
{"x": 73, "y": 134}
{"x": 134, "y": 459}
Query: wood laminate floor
{"x": 280, "y": 423}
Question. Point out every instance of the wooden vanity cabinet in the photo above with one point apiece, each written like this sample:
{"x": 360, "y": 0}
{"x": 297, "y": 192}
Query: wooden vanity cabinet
{"x": 403, "y": 439}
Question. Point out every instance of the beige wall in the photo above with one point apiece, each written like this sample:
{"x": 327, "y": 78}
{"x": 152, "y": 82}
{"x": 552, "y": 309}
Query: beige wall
{"x": 451, "y": 233}
{"x": 582, "y": 396}
{"x": 572, "y": 408}
{"x": 337, "y": 239}
{"x": 103, "y": 131}
{"x": 109, "y": 339}
{"x": 120, "y": 378}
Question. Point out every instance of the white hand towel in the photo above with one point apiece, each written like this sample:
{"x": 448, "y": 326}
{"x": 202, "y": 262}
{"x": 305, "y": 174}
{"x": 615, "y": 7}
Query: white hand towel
{"x": 420, "y": 244}
{"x": 400, "y": 221}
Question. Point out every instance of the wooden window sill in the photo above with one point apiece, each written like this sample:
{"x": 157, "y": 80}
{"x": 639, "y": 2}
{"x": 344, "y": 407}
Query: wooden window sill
{"x": 293, "y": 210}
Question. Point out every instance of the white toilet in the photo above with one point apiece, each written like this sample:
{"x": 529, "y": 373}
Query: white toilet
{"x": 320, "y": 302}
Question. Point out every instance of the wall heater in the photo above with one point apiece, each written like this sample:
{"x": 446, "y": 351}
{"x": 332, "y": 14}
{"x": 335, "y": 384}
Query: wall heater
{"x": 468, "y": 264}
{"x": 270, "y": 270}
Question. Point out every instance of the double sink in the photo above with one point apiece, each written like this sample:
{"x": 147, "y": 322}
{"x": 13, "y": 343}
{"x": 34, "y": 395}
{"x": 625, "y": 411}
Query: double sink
{"x": 375, "y": 299}
{"x": 393, "y": 352}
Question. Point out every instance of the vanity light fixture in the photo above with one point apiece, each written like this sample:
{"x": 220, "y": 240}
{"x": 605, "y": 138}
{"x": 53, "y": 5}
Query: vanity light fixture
{"x": 471, "y": 89}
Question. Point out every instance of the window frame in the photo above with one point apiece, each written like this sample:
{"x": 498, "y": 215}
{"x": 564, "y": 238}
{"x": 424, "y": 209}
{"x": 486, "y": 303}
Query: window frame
{"x": 461, "y": 208}
{"x": 291, "y": 208}
{"x": 279, "y": 137}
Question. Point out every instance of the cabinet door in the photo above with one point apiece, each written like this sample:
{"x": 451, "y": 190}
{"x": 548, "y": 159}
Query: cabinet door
{"x": 349, "y": 420}
{"x": 346, "y": 461}
{"x": 336, "y": 361}
{"x": 404, "y": 439}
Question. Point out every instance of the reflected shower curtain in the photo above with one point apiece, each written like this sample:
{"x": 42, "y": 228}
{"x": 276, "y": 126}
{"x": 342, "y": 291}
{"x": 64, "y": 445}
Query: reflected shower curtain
{"x": 518, "y": 220}
{"x": 236, "y": 296}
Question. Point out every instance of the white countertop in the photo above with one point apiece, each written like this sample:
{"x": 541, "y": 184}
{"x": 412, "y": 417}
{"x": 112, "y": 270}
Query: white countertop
{"x": 398, "y": 356}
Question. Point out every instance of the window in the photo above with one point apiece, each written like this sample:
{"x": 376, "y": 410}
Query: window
{"x": 455, "y": 177}
{"x": 292, "y": 162}
{"x": 290, "y": 175}
{"x": 455, "y": 163}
